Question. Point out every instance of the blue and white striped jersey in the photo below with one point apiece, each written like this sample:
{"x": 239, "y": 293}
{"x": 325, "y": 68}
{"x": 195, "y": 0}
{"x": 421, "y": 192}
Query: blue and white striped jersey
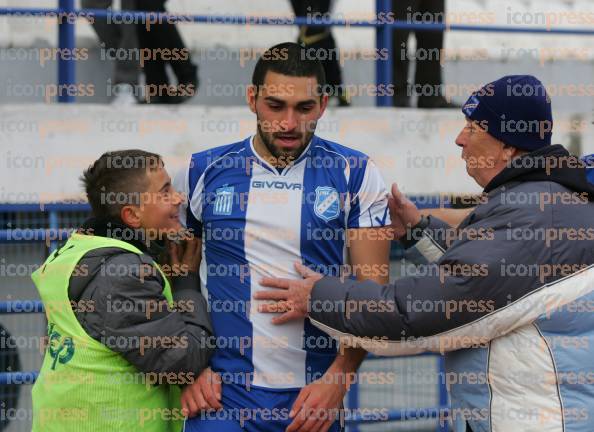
{"x": 257, "y": 221}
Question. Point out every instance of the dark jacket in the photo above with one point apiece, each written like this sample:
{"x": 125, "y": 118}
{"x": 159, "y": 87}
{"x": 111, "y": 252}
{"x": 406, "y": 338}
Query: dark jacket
{"x": 118, "y": 286}
{"x": 508, "y": 296}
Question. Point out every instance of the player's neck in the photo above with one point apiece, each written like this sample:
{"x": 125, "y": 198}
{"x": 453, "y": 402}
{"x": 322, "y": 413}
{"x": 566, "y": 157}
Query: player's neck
{"x": 265, "y": 154}
{"x": 262, "y": 151}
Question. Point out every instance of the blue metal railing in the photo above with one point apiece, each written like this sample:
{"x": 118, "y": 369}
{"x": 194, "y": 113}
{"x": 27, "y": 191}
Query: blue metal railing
{"x": 441, "y": 412}
{"x": 383, "y": 40}
{"x": 18, "y": 378}
{"x": 384, "y": 27}
{"x": 21, "y": 306}
{"x": 66, "y": 39}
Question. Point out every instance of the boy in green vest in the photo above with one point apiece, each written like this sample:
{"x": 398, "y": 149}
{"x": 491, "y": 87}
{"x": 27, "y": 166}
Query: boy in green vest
{"x": 121, "y": 339}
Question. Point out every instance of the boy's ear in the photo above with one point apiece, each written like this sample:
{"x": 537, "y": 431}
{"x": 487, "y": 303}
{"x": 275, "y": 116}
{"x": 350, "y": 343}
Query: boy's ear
{"x": 130, "y": 215}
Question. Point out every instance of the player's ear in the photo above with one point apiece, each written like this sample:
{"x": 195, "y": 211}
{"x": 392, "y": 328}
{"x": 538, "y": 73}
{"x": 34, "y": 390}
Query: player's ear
{"x": 251, "y": 95}
{"x": 323, "y": 103}
{"x": 130, "y": 216}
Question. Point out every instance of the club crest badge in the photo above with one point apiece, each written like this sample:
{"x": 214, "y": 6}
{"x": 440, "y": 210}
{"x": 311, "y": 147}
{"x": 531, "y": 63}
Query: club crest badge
{"x": 223, "y": 205}
{"x": 327, "y": 204}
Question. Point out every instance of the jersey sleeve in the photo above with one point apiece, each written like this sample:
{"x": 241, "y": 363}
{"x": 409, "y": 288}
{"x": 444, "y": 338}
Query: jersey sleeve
{"x": 186, "y": 182}
{"x": 369, "y": 198}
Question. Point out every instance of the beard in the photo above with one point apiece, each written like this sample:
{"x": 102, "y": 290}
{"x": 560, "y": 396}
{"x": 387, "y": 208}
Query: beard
{"x": 285, "y": 157}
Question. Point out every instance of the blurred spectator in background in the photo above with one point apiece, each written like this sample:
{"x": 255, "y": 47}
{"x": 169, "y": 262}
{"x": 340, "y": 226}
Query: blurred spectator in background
{"x": 118, "y": 36}
{"x": 320, "y": 38}
{"x": 427, "y": 55}
{"x": 166, "y": 45}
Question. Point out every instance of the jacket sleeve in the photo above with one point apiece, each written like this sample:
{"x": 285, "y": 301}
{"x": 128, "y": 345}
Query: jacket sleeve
{"x": 434, "y": 240}
{"x": 463, "y": 299}
{"x": 131, "y": 316}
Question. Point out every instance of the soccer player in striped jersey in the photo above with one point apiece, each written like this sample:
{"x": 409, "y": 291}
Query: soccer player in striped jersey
{"x": 260, "y": 205}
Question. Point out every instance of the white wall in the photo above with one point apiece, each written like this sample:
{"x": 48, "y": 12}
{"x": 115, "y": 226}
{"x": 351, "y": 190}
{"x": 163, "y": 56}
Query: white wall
{"x": 45, "y": 150}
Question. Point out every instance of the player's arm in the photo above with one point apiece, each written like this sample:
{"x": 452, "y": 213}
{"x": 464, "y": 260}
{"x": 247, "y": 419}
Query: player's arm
{"x": 369, "y": 253}
{"x": 369, "y": 236}
{"x": 205, "y": 392}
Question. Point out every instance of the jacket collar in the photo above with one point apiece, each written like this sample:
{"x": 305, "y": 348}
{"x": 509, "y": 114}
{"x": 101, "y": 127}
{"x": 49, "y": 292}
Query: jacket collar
{"x": 116, "y": 229}
{"x": 551, "y": 163}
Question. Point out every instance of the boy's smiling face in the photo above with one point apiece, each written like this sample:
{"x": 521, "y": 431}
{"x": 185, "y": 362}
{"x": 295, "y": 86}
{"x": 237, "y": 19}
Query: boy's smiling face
{"x": 159, "y": 207}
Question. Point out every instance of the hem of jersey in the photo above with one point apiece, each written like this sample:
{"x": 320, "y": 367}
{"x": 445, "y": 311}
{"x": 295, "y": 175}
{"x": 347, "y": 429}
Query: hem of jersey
{"x": 269, "y": 389}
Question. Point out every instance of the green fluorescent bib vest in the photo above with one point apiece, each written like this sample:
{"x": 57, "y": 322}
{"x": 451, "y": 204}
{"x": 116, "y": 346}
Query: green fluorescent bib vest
{"x": 83, "y": 386}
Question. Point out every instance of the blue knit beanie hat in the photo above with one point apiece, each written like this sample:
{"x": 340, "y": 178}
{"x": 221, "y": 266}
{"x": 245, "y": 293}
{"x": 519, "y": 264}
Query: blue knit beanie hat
{"x": 515, "y": 109}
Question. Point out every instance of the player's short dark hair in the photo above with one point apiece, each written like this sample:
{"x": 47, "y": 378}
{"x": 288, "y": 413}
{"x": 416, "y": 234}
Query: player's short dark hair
{"x": 289, "y": 59}
{"x": 117, "y": 179}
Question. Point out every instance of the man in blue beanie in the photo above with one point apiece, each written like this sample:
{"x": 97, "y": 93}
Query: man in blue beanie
{"x": 515, "y": 109}
{"x": 513, "y": 117}
{"x": 511, "y": 289}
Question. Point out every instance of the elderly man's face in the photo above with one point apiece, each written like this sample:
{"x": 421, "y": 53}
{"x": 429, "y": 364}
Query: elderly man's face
{"x": 485, "y": 156}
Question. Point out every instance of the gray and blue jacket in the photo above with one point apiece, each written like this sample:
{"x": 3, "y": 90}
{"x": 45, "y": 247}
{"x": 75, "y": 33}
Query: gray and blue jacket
{"x": 508, "y": 297}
